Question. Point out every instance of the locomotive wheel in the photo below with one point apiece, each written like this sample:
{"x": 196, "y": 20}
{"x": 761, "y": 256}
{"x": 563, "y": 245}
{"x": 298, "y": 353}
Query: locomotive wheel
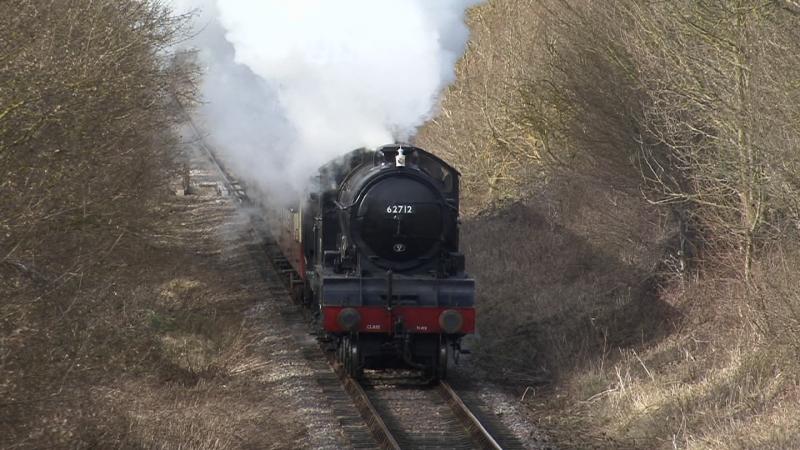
{"x": 441, "y": 360}
{"x": 355, "y": 360}
{"x": 346, "y": 354}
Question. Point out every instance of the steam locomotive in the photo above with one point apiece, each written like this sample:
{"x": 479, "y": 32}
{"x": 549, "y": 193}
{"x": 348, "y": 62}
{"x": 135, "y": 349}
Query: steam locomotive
{"x": 375, "y": 244}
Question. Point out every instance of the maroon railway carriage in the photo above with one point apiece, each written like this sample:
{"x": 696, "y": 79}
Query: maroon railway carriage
{"x": 376, "y": 246}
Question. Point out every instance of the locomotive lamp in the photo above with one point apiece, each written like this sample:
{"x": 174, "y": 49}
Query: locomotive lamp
{"x": 400, "y": 159}
{"x": 451, "y": 321}
{"x": 349, "y": 318}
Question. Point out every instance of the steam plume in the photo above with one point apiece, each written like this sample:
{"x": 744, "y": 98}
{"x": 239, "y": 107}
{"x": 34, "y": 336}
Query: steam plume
{"x": 291, "y": 84}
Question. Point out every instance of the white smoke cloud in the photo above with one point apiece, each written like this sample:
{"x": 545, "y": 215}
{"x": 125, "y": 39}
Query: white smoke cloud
{"x": 291, "y": 84}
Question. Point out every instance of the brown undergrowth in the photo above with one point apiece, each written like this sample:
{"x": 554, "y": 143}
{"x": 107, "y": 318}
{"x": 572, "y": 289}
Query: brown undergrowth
{"x": 609, "y": 353}
{"x": 158, "y": 353}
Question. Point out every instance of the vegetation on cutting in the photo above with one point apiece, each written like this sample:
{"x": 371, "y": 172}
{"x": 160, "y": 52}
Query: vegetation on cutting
{"x": 637, "y": 242}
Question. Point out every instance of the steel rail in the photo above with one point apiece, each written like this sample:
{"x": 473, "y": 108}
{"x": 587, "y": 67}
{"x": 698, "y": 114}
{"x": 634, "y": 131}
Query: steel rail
{"x": 476, "y": 429}
{"x": 230, "y": 184}
{"x": 373, "y": 419}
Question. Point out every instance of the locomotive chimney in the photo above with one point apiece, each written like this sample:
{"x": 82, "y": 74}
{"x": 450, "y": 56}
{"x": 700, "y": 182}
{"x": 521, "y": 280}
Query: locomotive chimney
{"x": 400, "y": 159}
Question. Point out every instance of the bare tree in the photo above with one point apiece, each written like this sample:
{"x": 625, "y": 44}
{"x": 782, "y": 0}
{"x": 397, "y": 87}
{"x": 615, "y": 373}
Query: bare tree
{"x": 718, "y": 75}
{"x": 85, "y": 143}
{"x": 476, "y": 127}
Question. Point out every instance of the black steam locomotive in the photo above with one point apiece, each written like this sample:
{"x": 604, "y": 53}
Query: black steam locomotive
{"x": 376, "y": 246}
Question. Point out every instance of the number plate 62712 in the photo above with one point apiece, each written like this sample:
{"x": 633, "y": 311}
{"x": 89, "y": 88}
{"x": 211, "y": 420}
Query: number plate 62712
{"x": 400, "y": 209}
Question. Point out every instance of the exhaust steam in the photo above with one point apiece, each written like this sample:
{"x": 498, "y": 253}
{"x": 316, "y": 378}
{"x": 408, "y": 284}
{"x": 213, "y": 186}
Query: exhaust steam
{"x": 289, "y": 85}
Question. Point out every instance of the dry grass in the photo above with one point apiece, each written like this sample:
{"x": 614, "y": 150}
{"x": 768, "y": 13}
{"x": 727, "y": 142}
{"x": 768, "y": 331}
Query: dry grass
{"x": 170, "y": 357}
{"x": 616, "y": 361}
{"x": 704, "y": 398}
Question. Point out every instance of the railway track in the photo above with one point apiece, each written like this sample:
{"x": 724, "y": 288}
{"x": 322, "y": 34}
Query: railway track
{"x": 405, "y": 412}
{"x": 391, "y": 410}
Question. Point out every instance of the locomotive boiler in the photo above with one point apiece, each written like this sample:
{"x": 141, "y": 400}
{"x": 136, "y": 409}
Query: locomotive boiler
{"x": 376, "y": 246}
